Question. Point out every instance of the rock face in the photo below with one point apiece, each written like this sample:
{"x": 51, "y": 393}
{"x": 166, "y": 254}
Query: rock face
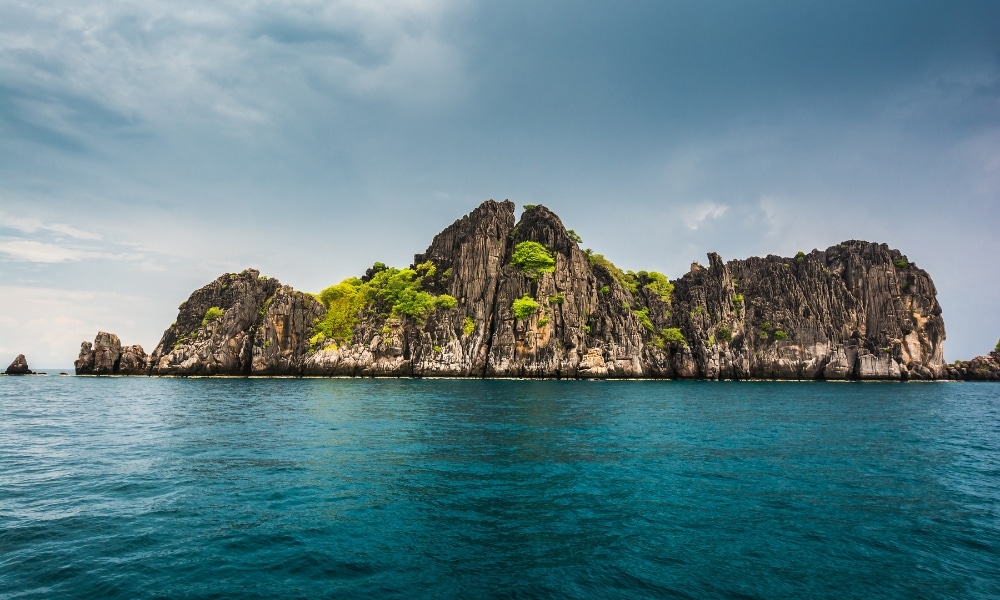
{"x": 240, "y": 324}
{"x": 472, "y": 306}
{"x": 857, "y": 310}
{"x": 19, "y": 367}
{"x": 106, "y": 356}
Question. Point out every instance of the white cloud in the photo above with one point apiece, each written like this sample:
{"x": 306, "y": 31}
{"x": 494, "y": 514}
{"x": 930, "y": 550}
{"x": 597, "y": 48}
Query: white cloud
{"x": 44, "y": 252}
{"x": 39, "y": 252}
{"x": 34, "y": 225}
{"x": 695, "y": 216}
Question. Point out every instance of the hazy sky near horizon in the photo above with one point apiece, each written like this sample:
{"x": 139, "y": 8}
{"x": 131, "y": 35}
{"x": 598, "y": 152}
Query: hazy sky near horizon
{"x": 148, "y": 146}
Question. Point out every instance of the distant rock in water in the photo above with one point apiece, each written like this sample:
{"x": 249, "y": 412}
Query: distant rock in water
{"x": 19, "y": 367}
{"x": 496, "y": 297}
{"x": 981, "y": 368}
{"x": 106, "y": 356}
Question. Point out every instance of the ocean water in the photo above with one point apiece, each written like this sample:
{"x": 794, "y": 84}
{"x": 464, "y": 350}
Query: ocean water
{"x": 352, "y": 488}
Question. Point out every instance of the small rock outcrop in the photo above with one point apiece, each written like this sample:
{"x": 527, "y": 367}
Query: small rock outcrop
{"x": 19, "y": 367}
{"x": 494, "y": 296}
{"x": 980, "y": 368}
{"x": 106, "y": 356}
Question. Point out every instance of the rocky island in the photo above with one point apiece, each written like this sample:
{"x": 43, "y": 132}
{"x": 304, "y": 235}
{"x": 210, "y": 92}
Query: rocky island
{"x": 19, "y": 366}
{"x": 493, "y": 296}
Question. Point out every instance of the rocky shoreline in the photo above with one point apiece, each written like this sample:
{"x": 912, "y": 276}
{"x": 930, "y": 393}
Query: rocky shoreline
{"x": 499, "y": 298}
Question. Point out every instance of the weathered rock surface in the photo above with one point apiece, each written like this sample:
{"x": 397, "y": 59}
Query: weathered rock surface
{"x": 240, "y": 324}
{"x": 857, "y": 310}
{"x": 981, "y": 368}
{"x": 106, "y": 356}
{"x": 19, "y": 367}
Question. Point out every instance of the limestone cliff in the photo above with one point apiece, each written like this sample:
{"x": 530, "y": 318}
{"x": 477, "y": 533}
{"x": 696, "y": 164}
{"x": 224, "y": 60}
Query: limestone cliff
{"x": 240, "y": 324}
{"x": 496, "y": 297}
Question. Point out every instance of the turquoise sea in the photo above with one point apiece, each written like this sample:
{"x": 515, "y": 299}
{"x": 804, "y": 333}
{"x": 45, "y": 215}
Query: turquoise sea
{"x": 354, "y": 488}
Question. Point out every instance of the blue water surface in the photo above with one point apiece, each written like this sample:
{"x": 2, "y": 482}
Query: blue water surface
{"x": 219, "y": 488}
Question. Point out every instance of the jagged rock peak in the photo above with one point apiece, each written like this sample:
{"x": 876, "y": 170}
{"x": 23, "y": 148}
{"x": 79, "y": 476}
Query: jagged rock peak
{"x": 491, "y": 220}
{"x": 19, "y": 367}
{"x": 240, "y": 324}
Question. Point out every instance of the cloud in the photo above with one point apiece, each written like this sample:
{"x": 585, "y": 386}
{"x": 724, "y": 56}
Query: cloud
{"x": 695, "y": 216}
{"x": 133, "y": 68}
{"x": 25, "y": 225}
{"x": 39, "y": 252}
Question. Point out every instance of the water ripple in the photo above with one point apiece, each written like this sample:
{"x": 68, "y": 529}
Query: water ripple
{"x": 173, "y": 488}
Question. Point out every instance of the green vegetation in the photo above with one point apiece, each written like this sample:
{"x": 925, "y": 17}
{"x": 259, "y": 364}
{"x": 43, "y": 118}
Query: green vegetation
{"x": 524, "y": 307}
{"x": 533, "y": 259}
{"x": 997, "y": 348}
{"x": 779, "y": 334}
{"x": 724, "y": 334}
{"x": 699, "y": 311}
{"x": 658, "y": 284}
{"x": 437, "y": 348}
{"x": 557, "y": 299}
{"x": 445, "y": 301}
{"x": 586, "y": 328}
{"x": 711, "y": 340}
{"x": 901, "y": 263}
{"x": 397, "y": 291}
{"x": 390, "y": 291}
{"x": 265, "y": 306}
{"x": 738, "y": 302}
{"x": 342, "y": 301}
{"x": 543, "y": 321}
{"x": 673, "y": 335}
{"x": 469, "y": 326}
{"x": 530, "y": 207}
{"x": 616, "y": 273}
{"x": 800, "y": 256}
{"x": 604, "y": 290}
{"x": 643, "y": 316}
{"x": 426, "y": 269}
{"x": 575, "y": 236}
{"x": 212, "y": 314}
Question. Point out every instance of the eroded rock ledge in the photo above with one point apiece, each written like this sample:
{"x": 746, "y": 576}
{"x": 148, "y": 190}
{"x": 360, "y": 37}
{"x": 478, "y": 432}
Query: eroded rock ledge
{"x": 858, "y": 310}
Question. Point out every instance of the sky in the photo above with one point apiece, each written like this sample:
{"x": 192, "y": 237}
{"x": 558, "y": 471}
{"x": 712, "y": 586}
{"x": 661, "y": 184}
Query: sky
{"x": 147, "y": 147}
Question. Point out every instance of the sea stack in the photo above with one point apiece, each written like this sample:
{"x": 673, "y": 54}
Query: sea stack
{"x": 107, "y": 356}
{"x": 19, "y": 367}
